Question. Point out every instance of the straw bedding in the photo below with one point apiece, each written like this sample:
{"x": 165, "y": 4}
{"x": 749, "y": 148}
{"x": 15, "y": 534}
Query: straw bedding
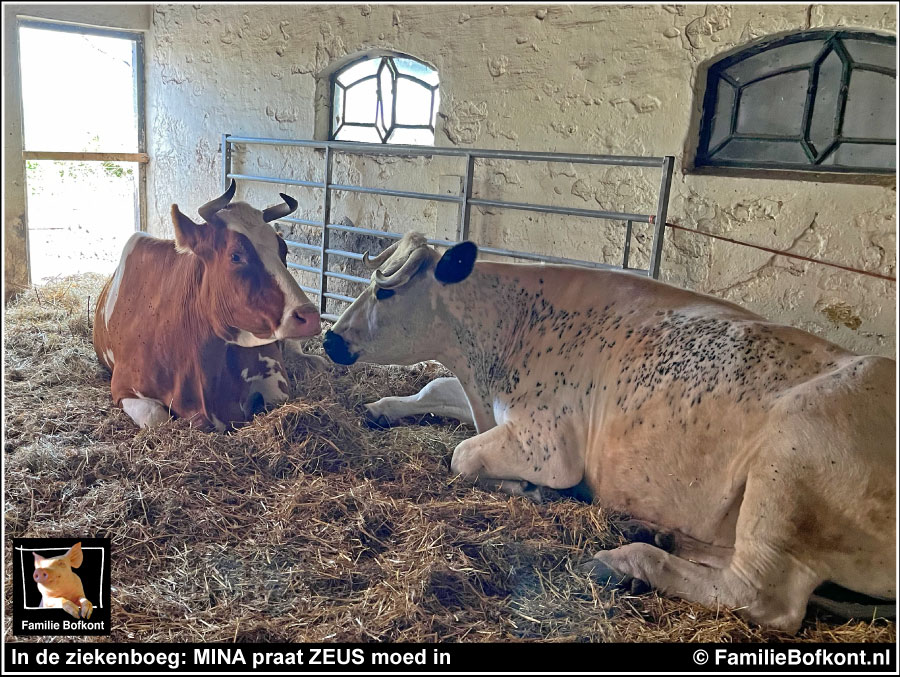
{"x": 307, "y": 525}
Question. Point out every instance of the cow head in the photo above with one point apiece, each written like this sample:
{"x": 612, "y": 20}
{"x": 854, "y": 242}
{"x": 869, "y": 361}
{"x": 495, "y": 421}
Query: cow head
{"x": 48, "y": 571}
{"x": 251, "y": 297}
{"x": 397, "y": 319}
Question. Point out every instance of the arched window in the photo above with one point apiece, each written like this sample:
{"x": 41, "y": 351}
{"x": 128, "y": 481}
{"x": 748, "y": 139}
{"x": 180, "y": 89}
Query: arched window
{"x": 820, "y": 101}
{"x": 385, "y": 99}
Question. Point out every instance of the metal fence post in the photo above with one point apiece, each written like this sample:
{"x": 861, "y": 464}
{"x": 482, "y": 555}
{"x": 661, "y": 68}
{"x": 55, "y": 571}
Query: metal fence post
{"x": 660, "y": 219}
{"x": 226, "y": 161}
{"x": 627, "y": 244}
{"x": 462, "y": 230}
{"x": 326, "y": 219}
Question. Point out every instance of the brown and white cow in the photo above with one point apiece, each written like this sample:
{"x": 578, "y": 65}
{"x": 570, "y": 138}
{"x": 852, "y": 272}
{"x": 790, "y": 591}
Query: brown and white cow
{"x": 189, "y": 327}
{"x": 766, "y": 453}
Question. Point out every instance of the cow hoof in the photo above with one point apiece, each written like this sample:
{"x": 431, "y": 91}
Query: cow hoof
{"x": 665, "y": 540}
{"x": 604, "y": 574}
{"x": 379, "y": 421}
{"x": 636, "y": 531}
{"x": 607, "y": 576}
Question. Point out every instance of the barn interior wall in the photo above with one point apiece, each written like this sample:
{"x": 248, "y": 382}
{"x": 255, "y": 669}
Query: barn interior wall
{"x": 15, "y": 227}
{"x": 601, "y": 79}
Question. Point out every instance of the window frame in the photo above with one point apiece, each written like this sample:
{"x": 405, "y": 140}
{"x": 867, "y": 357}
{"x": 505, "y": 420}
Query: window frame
{"x": 387, "y": 61}
{"x": 831, "y": 40}
{"x": 141, "y": 157}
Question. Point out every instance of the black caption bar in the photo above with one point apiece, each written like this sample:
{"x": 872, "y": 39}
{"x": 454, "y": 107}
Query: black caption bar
{"x": 26, "y": 658}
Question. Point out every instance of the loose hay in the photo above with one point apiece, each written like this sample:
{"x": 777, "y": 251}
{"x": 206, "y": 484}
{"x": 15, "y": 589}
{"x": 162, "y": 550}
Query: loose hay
{"x": 306, "y": 525}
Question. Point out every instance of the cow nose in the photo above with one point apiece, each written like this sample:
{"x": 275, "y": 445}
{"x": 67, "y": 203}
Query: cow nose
{"x": 336, "y": 348}
{"x": 303, "y": 321}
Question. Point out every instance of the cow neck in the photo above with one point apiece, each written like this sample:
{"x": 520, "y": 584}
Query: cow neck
{"x": 486, "y": 317}
{"x": 207, "y": 350}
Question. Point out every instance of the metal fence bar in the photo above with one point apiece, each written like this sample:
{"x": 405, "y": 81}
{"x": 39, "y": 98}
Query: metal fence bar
{"x": 627, "y": 244}
{"x": 396, "y": 149}
{"x": 300, "y": 266}
{"x": 396, "y": 193}
{"x": 302, "y": 222}
{"x": 346, "y": 277}
{"x": 304, "y": 245}
{"x": 543, "y": 258}
{"x": 340, "y": 297}
{"x": 275, "y": 179}
{"x": 662, "y": 206}
{"x": 568, "y": 211}
{"x": 345, "y": 254}
{"x": 511, "y": 253}
{"x": 326, "y": 217}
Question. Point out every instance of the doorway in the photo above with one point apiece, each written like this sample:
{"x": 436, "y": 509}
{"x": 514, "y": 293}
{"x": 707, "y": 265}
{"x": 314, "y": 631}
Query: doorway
{"x": 85, "y": 154}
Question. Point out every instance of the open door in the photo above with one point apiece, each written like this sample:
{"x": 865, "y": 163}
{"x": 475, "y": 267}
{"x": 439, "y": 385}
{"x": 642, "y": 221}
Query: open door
{"x": 85, "y": 154}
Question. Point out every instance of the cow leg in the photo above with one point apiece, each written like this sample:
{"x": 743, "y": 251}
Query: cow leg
{"x": 780, "y": 601}
{"x": 499, "y": 454}
{"x": 441, "y": 397}
{"x": 765, "y": 579}
{"x": 144, "y": 411}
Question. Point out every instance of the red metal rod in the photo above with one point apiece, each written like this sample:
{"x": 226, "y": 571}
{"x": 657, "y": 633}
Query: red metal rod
{"x": 781, "y": 253}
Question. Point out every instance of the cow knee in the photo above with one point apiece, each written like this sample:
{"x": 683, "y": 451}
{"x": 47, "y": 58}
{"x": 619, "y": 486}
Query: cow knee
{"x": 145, "y": 412}
{"x": 465, "y": 462}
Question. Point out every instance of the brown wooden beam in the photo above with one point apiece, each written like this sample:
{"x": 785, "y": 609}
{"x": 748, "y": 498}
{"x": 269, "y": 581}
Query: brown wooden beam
{"x": 85, "y": 157}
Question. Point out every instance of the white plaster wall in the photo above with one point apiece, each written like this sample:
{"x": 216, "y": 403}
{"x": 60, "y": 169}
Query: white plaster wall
{"x": 579, "y": 78}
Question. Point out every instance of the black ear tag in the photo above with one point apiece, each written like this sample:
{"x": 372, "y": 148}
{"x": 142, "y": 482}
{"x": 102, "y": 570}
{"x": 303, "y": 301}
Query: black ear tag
{"x": 456, "y": 264}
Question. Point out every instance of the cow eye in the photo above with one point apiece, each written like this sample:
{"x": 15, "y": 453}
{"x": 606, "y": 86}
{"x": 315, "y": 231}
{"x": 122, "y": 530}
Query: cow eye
{"x": 382, "y": 294}
{"x": 237, "y": 258}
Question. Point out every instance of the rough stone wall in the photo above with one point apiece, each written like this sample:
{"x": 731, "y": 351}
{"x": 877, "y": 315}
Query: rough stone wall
{"x": 602, "y": 79}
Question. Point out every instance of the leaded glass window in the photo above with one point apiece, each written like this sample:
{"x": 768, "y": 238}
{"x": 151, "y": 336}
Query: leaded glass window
{"x": 821, "y": 101}
{"x": 385, "y": 99}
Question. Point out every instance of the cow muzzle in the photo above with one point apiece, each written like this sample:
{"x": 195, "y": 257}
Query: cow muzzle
{"x": 336, "y": 348}
{"x": 301, "y": 322}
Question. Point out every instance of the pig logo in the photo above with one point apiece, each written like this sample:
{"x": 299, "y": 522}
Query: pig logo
{"x": 59, "y": 585}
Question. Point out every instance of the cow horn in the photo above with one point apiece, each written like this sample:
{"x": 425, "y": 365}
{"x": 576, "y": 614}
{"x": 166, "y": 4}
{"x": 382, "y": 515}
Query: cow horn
{"x": 407, "y": 270}
{"x": 280, "y": 211}
{"x": 210, "y": 208}
{"x": 381, "y": 258}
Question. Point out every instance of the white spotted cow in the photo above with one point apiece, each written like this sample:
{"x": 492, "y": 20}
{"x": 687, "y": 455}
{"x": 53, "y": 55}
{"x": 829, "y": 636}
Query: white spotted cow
{"x": 763, "y": 454}
{"x": 192, "y": 327}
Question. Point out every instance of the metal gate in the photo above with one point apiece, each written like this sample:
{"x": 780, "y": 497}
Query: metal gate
{"x": 464, "y": 200}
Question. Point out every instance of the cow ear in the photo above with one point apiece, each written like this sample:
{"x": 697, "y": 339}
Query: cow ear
{"x": 187, "y": 233}
{"x": 456, "y": 264}
{"x": 75, "y": 556}
{"x": 282, "y": 249}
